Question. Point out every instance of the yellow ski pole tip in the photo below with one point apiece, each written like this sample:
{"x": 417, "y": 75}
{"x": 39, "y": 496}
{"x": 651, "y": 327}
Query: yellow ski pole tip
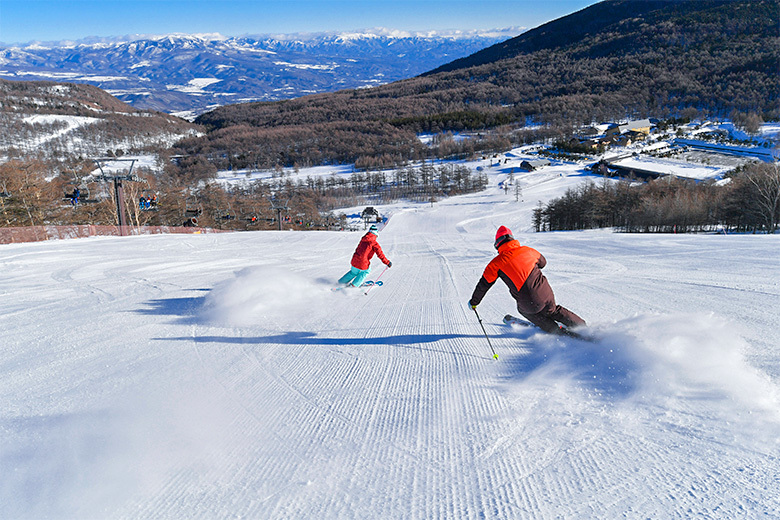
{"x": 495, "y": 356}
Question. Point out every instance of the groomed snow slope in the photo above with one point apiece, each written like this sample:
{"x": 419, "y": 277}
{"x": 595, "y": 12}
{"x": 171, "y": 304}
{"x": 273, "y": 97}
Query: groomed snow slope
{"x": 218, "y": 376}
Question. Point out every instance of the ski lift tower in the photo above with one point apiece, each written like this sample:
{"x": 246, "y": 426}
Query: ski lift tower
{"x": 279, "y": 207}
{"x": 119, "y": 193}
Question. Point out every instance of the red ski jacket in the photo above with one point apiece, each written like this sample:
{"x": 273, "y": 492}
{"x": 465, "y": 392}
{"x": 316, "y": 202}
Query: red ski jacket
{"x": 365, "y": 250}
{"x": 520, "y": 269}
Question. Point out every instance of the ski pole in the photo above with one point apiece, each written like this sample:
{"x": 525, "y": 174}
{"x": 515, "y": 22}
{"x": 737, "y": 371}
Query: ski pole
{"x": 495, "y": 356}
{"x": 375, "y": 281}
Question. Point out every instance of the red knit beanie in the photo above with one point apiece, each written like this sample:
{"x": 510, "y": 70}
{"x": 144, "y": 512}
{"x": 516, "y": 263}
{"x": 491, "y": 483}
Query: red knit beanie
{"x": 504, "y": 234}
{"x": 503, "y": 230}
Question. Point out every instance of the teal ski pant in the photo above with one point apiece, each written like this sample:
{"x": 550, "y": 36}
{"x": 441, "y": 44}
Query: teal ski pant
{"x": 355, "y": 276}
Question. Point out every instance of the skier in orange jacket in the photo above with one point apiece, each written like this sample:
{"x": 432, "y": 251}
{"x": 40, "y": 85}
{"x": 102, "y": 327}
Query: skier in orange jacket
{"x": 361, "y": 259}
{"x": 520, "y": 269}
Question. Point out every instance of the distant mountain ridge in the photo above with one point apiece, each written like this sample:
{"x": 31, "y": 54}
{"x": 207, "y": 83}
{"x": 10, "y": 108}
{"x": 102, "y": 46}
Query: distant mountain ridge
{"x": 193, "y": 73}
{"x": 617, "y": 59}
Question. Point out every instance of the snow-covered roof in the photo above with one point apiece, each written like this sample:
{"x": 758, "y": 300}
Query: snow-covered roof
{"x": 635, "y": 125}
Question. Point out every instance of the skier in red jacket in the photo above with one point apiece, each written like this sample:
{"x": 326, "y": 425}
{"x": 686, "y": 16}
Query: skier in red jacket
{"x": 520, "y": 269}
{"x": 361, "y": 260}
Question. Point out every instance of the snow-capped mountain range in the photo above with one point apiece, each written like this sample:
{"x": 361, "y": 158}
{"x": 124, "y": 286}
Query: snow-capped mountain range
{"x": 189, "y": 74}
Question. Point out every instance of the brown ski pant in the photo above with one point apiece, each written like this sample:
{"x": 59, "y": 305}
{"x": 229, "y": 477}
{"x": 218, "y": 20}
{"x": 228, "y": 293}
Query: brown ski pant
{"x": 546, "y": 318}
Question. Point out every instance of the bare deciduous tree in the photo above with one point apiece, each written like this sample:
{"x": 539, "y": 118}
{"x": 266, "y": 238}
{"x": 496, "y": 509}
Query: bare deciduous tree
{"x": 765, "y": 181}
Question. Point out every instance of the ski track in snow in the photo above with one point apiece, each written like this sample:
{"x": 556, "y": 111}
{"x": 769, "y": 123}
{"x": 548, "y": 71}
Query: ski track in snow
{"x": 206, "y": 376}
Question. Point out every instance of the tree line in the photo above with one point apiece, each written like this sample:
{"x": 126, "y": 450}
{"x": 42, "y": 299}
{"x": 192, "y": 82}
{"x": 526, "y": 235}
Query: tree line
{"x": 33, "y": 194}
{"x": 750, "y": 202}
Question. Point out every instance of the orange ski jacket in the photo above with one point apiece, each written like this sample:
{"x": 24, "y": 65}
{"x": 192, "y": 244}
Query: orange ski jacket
{"x": 520, "y": 269}
{"x": 368, "y": 245}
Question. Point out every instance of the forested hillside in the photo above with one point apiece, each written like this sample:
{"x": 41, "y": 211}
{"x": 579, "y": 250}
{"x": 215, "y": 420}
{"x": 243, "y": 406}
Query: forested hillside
{"x": 60, "y": 122}
{"x": 613, "y": 60}
{"x": 635, "y": 27}
{"x": 51, "y": 132}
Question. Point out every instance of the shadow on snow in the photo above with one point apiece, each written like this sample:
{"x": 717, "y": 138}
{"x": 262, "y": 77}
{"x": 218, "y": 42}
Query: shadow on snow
{"x": 186, "y": 309}
{"x": 311, "y": 338}
{"x": 605, "y": 367}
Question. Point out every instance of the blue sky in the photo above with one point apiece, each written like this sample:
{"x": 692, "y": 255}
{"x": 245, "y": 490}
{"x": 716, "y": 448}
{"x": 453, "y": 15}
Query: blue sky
{"x": 53, "y": 20}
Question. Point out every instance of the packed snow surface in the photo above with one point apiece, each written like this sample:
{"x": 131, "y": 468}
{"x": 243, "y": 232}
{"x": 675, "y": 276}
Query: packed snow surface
{"x": 218, "y": 376}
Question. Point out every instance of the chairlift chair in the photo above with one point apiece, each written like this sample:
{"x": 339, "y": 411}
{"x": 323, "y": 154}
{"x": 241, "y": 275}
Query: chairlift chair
{"x": 77, "y": 193}
{"x": 83, "y": 195}
{"x": 148, "y": 201}
{"x": 88, "y": 196}
{"x": 192, "y": 207}
{"x": 226, "y": 214}
{"x": 253, "y": 217}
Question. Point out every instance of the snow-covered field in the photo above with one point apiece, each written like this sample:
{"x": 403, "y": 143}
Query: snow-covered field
{"x": 218, "y": 376}
{"x": 61, "y": 132}
{"x": 69, "y": 123}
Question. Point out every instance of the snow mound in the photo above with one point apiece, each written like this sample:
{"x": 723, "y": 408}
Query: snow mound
{"x": 692, "y": 364}
{"x": 261, "y": 293}
{"x": 694, "y": 354}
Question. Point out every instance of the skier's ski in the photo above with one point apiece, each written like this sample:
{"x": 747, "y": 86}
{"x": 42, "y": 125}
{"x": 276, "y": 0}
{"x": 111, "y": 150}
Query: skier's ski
{"x": 514, "y": 320}
{"x": 563, "y": 331}
{"x": 367, "y": 283}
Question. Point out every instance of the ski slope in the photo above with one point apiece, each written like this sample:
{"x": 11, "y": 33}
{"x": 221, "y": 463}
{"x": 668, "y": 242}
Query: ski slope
{"x": 218, "y": 376}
